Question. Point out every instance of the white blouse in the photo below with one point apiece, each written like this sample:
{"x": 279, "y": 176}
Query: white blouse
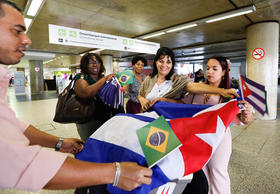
{"x": 160, "y": 90}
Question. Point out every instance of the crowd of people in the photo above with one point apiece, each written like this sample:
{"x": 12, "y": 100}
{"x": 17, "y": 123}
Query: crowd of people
{"x": 24, "y": 146}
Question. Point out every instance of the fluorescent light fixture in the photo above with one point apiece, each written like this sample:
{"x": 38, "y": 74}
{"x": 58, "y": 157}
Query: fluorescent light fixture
{"x": 181, "y": 28}
{"x": 97, "y": 50}
{"x": 231, "y": 14}
{"x": 153, "y": 35}
{"x": 27, "y": 22}
{"x": 94, "y": 51}
{"x": 34, "y": 7}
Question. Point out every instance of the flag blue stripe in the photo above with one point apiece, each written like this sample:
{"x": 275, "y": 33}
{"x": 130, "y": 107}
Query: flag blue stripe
{"x": 259, "y": 109}
{"x": 139, "y": 117}
{"x": 258, "y": 97}
{"x": 95, "y": 151}
{"x": 176, "y": 110}
{"x": 259, "y": 86}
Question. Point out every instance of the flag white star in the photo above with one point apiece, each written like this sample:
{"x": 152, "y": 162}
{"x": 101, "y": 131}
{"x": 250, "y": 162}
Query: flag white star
{"x": 214, "y": 139}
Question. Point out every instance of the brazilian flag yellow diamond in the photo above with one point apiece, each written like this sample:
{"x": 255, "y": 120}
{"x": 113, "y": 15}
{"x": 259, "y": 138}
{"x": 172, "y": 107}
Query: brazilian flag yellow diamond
{"x": 124, "y": 78}
{"x": 157, "y": 139}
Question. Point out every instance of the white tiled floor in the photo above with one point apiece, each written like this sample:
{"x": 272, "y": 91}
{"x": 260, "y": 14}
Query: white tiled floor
{"x": 254, "y": 166}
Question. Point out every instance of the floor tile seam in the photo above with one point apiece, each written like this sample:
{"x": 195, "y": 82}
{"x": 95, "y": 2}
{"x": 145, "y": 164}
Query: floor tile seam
{"x": 242, "y": 131}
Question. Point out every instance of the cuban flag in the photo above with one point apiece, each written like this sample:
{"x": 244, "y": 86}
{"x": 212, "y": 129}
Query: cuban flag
{"x": 254, "y": 93}
{"x": 200, "y": 132}
{"x": 112, "y": 93}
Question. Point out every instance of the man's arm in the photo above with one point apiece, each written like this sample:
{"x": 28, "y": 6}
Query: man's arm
{"x": 75, "y": 173}
{"x": 37, "y": 137}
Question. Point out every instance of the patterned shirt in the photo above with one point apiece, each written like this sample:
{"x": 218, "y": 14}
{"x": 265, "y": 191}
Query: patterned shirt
{"x": 134, "y": 89}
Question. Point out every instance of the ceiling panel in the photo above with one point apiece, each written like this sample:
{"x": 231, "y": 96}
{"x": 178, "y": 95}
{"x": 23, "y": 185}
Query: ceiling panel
{"x": 133, "y": 18}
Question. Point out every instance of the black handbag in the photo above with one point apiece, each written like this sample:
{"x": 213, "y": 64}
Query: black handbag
{"x": 72, "y": 109}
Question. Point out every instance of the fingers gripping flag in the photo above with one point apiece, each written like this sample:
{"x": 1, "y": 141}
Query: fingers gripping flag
{"x": 117, "y": 140}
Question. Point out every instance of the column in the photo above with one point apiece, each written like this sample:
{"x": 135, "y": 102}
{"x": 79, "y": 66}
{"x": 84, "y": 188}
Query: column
{"x": 263, "y": 67}
{"x": 36, "y": 76}
{"x": 108, "y": 63}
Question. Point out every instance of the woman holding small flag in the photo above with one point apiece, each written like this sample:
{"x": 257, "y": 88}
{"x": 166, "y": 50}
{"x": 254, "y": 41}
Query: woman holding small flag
{"x": 217, "y": 72}
{"x": 133, "y": 106}
{"x": 87, "y": 85}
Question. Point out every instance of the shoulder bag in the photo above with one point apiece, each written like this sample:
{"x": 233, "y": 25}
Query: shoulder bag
{"x": 72, "y": 109}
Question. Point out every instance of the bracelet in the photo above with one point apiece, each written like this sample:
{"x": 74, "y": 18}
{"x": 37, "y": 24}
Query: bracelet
{"x": 59, "y": 144}
{"x": 117, "y": 175}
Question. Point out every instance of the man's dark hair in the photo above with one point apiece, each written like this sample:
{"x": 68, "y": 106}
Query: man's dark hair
{"x": 2, "y": 13}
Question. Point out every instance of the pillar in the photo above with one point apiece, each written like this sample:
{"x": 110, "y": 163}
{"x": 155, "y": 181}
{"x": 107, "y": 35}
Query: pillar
{"x": 264, "y": 70}
{"x": 36, "y": 76}
{"x": 108, "y": 63}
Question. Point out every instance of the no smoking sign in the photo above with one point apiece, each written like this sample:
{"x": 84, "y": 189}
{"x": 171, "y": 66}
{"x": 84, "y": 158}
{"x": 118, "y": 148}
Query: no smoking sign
{"x": 258, "y": 53}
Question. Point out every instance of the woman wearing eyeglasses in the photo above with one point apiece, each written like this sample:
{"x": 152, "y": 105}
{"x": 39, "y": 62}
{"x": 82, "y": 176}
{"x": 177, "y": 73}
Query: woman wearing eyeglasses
{"x": 87, "y": 85}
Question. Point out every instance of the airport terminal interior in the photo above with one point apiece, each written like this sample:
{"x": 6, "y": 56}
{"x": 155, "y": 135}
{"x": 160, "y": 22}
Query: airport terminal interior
{"x": 248, "y": 34}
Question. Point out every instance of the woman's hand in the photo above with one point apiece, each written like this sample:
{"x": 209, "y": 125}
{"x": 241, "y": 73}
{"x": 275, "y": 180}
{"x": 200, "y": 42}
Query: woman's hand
{"x": 228, "y": 93}
{"x": 145, "y": 103}
{"x": 72, "y": 145}
{"x": 109, "y": 77}
{"x": 246, "y": 116}
{"x": 156, "y": 100}
{"x": 133, "y": 176}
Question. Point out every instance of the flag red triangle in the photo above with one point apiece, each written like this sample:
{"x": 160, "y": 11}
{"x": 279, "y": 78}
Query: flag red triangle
{"x": 245, "y": 90}
{"x": 195, "y": 151}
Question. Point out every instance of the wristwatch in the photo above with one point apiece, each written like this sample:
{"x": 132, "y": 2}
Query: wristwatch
{"x": 59, "y": 144}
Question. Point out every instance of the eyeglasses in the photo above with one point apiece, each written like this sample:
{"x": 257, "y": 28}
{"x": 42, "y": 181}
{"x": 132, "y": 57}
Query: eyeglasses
{"x": 93, "y": 62}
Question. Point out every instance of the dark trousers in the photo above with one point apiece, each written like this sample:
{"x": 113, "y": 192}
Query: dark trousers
{"x": 133, "y": 107}
{"x": 199, "y": 184}
{"x": 99, "y": 189}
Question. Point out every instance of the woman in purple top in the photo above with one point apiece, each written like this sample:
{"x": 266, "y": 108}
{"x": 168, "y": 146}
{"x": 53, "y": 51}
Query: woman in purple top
{"x": 133, "y": 106}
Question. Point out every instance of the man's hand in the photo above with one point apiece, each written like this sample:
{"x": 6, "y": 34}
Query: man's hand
{"x": 133, "y": 176}
{"x": 72, "y": 145}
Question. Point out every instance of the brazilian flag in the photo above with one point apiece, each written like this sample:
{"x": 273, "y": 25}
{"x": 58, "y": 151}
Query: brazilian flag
{"x": 157, "y": 140}
{"x": 125, "y": 77}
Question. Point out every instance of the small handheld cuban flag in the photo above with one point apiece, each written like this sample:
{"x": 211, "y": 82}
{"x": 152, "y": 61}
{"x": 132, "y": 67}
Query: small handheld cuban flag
{"x": 125, "y": 77}
{"x": 254, "y": 93}
{"x": 112, "y": 93}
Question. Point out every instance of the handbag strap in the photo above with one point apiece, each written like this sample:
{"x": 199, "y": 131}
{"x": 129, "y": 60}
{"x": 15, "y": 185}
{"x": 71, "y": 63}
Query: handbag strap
{"x": 71, "y": 84}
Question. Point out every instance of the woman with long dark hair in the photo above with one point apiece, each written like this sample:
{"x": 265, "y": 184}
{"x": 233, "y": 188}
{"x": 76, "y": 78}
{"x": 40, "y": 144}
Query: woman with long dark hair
{"x": 217, "y": 75}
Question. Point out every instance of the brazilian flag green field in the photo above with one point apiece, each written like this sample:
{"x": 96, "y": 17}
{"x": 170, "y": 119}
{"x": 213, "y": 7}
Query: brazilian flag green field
{"x": 157, "y": 140}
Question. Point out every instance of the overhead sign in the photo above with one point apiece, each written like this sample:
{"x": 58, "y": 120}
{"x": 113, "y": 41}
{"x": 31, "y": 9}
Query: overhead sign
{"x": 82, "y": 38}
{"x": 258, "y": 53}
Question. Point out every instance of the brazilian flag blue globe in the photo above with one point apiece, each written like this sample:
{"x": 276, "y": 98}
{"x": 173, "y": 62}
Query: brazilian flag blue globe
{"x": 125, "y": 77}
